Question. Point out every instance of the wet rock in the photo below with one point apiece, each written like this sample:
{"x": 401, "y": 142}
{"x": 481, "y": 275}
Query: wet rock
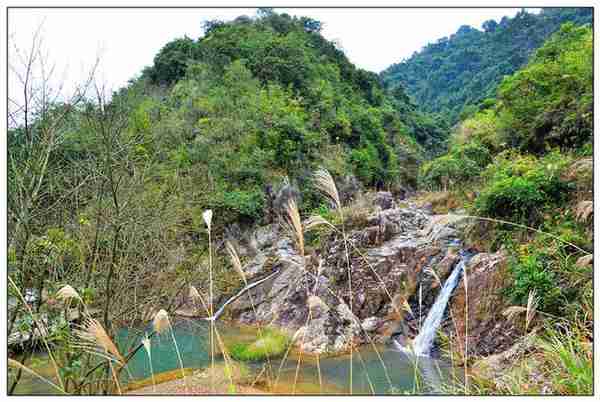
{"x": 444, "y": 267}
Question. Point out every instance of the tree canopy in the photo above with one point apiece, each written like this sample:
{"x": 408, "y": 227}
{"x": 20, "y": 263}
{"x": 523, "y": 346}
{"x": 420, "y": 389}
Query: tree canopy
{"x": 455, "y": 75}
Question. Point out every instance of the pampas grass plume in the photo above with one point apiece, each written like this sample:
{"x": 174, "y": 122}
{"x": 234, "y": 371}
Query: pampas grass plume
{"x": 161, "y": 321}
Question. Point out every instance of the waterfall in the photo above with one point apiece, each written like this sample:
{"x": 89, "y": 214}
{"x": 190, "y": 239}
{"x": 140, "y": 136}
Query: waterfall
{"x": 424, "y": 340}
{"x": 238, "y": 294}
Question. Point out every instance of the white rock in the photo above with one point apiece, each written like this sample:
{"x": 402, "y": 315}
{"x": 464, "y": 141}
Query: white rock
{"x": 370, "y": 324}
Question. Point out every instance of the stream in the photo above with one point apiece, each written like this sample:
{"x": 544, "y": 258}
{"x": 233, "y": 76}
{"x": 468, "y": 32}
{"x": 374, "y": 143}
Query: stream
{"x": 394, "y": 373}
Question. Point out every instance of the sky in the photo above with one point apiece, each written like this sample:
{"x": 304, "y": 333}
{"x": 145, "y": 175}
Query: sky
{"x": 127, "y": 39}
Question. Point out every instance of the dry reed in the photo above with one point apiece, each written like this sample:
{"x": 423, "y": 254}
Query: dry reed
{"x": 95, "y": 340}
{"x": 293, "y": 225}
{"x": 325, "y": 184}
{"x": 235, "y": 261}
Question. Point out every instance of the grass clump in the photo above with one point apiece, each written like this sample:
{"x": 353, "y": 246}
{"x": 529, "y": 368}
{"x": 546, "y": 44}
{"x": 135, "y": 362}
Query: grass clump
{"x": 569, "y": 362}
{"x": 270, "y": 343}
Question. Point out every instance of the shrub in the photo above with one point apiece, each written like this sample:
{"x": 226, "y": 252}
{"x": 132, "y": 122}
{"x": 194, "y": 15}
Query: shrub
{"x": 482, "y": 128}
{"x": 531, "y": 272}
{"x": 239, "y": 205}
{"x": 462, "y": 164}
{"x": 271, "y": 343}
{"x": 548, "y": 264}
{"x": 367, "y": 163}
{"x": 518, "y": 188}
{"x": 511, "y": 198}
{"x": 475, "y": 152}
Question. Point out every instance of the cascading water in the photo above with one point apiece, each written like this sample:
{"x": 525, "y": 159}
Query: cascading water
{"x": 424, "y": 340}
{"x": 238, "y": 294}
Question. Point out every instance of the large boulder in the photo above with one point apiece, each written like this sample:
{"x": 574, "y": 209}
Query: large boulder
{"x": 477, "y": 308}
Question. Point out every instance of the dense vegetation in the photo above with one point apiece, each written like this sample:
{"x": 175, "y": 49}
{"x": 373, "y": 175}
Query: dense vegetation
{"x": 106, "y": 193}
{"x": 109, "y": 194}
{"x": 455, "y": 75}
{"x": 524, "y": 165}
{"x": 257, "y": 99}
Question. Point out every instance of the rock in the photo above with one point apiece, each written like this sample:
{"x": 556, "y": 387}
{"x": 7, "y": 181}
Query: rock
{"x": 348, "y": 188}
{"x": 345, "y": 313}
{"x": 317, "y": 306}
{"x": 585, "y": 261}
{"x": 494, "y": 368}
{"x": 370, "y": 324}
{"x": 255, "y": 266}
{"x": 384, "y": 200}
{"x": 445, "y": 228}
{"x": 276, "y": 198}
{"x": 389, "y": 257}
{"x": 445, "y": 266}
{"x": 396, "y": 221}
{"x": 500, "y": 361}
{"x": 427, "y": 208}
{"x": 332, "y": 332}
{"x": 266, "y": 236}
{"x": 479, "y": 308}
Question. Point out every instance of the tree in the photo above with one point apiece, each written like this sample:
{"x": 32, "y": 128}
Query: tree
{"x": 490, "y": 26}
{"x": 39, "y": 110}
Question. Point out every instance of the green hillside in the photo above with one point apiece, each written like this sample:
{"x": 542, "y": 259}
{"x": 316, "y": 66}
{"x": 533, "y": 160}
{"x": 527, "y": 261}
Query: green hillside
{"x": 260, "y": 98}
{"x": 454, "y": 75}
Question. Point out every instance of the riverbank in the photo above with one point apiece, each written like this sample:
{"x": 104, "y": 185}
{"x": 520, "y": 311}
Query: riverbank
{"x": 197, "y": 382}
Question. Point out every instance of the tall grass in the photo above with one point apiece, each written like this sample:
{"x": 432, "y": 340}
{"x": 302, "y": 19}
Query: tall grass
{"x": 324, "y": 183}
{"x": 95, "y": 340}
{"x": 207, "y": 216}
{"x": 162, "y": 323}
{"x": 148, "y": 348}
{"x": 292, "y": 224}
{"x": 568, "y": 361}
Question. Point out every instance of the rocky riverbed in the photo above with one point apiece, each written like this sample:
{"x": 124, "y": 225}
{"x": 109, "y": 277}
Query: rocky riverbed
{"x": 377, "y": 284}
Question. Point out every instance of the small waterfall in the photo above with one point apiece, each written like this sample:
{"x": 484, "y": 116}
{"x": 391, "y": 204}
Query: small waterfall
{"x": 238, "y": 294}
{"x": 424, "y": 340}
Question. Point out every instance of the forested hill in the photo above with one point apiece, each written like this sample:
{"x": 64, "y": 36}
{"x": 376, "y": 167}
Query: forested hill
{"x": 277, "y": 49}
{"x": 260, "y": 98}
{"x": 456, "y": 74}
